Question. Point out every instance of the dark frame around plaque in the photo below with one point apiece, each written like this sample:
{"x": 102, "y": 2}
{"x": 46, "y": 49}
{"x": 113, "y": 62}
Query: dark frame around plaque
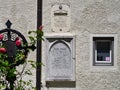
{"x": 60, "y": 64}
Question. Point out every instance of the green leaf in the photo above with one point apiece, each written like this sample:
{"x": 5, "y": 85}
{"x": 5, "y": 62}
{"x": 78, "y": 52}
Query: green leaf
{"x": 30, "y": 32}
{"x": 31, "y": 38}
{"x": 31, "y": 61}
{"x": 33, "y": 65}
{"x": 28, "y": 72}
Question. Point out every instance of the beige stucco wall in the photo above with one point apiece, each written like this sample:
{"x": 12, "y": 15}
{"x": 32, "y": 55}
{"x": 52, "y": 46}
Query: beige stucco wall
{"x": 89, "y": 17}
{"x": 23, "y": 15}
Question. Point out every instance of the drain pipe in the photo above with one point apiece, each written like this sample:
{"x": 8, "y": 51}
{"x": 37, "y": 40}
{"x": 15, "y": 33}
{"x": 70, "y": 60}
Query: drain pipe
{"x": 39, "y": 46}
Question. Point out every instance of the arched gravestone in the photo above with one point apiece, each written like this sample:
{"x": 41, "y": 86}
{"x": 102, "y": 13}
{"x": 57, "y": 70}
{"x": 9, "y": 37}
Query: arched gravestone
{"x": 60, "y": 59}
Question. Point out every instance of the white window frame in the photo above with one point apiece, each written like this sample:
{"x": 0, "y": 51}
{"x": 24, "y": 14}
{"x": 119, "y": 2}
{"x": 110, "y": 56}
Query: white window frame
{"x": 115, "y": 55}
{"x": 110, "y": 52}
{"x": 103, "y": 68}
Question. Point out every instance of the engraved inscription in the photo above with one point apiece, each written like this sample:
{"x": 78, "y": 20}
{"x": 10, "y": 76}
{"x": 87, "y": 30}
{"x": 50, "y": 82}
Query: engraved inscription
{"x": 60, "y": 21}
{"x": 59, "y": 14}
{"x": 60, "y": 61}
{"x": 60, "y": 58}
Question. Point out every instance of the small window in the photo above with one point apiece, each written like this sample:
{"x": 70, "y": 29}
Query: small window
{"x": 103, "y": 51}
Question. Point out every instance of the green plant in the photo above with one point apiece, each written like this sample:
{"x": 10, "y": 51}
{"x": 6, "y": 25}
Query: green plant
{"x": 11, "y": 78}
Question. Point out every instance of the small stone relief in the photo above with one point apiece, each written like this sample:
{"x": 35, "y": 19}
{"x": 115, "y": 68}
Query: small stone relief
{"x": 60, "y": 18}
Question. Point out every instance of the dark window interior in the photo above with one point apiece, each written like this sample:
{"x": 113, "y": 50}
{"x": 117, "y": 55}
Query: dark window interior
{"x": 103, "y": 51}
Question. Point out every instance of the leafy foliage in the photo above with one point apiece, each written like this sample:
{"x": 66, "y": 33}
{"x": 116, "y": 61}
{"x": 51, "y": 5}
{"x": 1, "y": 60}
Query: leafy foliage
{"x": 11, "y": 78}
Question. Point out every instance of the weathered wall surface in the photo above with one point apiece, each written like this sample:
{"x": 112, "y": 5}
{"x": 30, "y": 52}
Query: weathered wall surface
{"x": 23, "y": 15}
{"x": 88, "y": 17}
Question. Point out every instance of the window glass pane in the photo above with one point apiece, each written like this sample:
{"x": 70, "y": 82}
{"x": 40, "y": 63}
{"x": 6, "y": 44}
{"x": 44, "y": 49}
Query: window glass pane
{"x": 103, "y": 51}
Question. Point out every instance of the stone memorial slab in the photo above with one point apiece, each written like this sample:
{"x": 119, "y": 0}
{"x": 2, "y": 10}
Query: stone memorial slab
{"x": 60, "y": 18}
{"x": 60, "y": 62}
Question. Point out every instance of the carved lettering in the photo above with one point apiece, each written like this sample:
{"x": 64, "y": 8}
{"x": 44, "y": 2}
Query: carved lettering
{"x": 60, "y": 21}
{"x": 60, "y": 14}
{"x": 60, "y": 57}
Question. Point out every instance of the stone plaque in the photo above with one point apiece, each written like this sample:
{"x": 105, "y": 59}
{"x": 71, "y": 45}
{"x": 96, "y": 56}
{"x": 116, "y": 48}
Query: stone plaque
{"x": 60, "y": 18}
{"x": 60, "y": 64}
